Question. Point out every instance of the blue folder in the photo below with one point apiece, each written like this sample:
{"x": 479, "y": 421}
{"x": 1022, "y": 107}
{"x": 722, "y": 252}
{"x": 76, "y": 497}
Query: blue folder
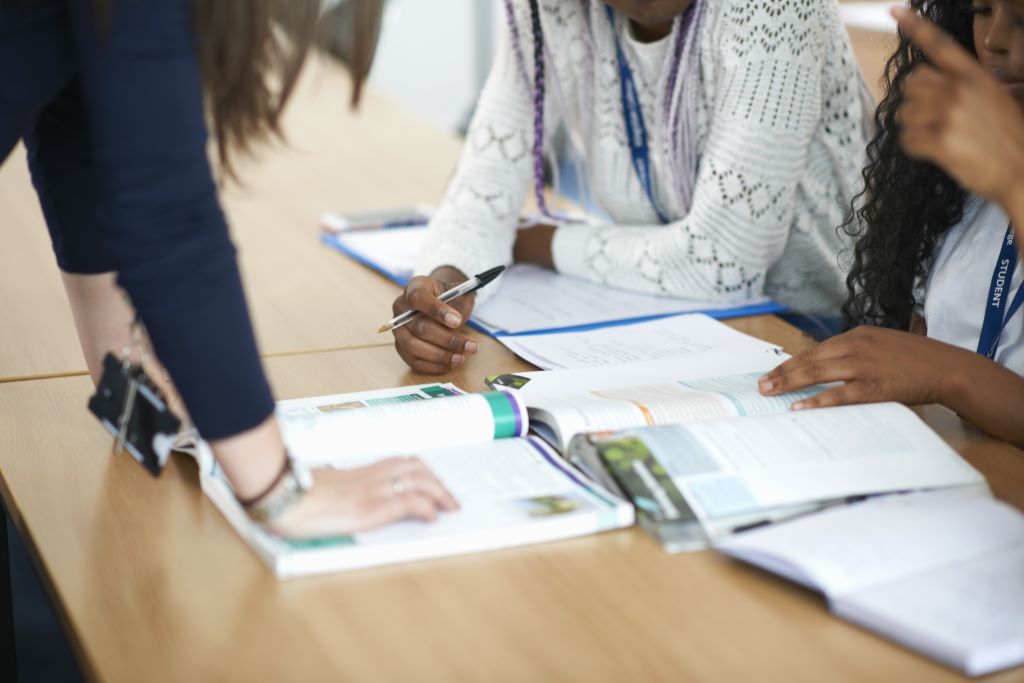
{"x": 401, "y": 278}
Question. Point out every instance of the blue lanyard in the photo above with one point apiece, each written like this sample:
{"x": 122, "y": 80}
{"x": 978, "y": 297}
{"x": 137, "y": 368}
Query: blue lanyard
{"x": 636, "y": 129}
{"x": 995, "y": 318}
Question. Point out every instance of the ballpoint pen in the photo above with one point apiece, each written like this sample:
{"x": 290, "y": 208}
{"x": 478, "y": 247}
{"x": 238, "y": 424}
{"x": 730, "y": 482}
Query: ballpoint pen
{"x": 467, "y": 287}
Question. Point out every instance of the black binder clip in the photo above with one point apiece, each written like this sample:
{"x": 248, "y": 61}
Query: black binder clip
{"x": 134, "y": 411}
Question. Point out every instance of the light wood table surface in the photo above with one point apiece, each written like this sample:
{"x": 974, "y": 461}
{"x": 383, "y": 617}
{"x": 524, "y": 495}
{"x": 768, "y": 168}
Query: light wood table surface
{"x": 154, "y": 585}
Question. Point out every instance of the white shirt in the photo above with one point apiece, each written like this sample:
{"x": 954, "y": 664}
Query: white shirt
{"x": 780, "y": 142}
{"x": 958, "y": 286}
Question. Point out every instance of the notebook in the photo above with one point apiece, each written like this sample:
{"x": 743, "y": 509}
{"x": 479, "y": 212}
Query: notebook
{"x": 942, "y": 574}
{"x": 512, "y": 489}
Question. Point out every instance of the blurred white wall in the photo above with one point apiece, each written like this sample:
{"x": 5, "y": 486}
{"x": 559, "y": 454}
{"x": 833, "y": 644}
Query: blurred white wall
{"x": 433, "y": 56}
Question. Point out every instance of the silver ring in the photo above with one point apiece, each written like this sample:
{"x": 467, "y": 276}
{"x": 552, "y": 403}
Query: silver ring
{"x": 397, "y": 486}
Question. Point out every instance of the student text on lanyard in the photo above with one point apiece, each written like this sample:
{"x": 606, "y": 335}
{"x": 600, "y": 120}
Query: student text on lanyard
{"x": 636, "y": 129}
{"x": 998, "y": 309}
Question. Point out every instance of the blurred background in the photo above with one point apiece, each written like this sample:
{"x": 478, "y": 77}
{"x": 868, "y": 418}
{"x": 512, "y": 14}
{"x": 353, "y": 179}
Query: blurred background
{"x": 433, "y": 57}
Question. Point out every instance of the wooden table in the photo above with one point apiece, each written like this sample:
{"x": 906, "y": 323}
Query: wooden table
{"x": 154, "y": 585}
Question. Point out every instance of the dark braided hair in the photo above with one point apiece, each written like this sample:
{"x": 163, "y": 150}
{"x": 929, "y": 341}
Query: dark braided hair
{"x": 906, "y": 205}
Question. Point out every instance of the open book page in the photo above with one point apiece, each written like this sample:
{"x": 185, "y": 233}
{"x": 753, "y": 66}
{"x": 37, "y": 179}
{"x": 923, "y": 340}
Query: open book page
{"x": 729, "y": 468}
{"x": 940, "y": 572}
{"x": 653, "y": 340}
{"x": 314, "y": 406}
{"x": 674, "y": 391}
{"x": 505, "y": 483}
{"x": 330, "y": 429}
{"x": 824, "y": 454}
{"x": 511, "y": 492}
{"x": 854, "y": 547}
{"x": 305, "y": 411}
{"x": 969, "y": 615}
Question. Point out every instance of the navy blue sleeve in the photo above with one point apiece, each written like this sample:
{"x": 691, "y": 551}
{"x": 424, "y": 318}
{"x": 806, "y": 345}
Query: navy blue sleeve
{"x": 36, "y": 62}
{"x": 160, "y": 219}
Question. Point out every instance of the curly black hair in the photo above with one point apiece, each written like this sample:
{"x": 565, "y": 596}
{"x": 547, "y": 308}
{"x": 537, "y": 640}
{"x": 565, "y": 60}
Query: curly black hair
{"x": 906, "y": 205}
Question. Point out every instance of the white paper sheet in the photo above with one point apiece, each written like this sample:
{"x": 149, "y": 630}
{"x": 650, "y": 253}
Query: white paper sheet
{"x": 530, "y": 298}
{"x": 675, "y": 336}
{"x": 553, "y": 385}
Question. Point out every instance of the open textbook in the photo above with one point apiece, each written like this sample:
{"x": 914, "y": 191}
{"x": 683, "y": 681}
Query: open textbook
{"x": 955, "y": 593}
{"x": 701, "y": 453}
{"x": 702, "y": 385}
{"x": 531, "y": 299}
{"x": 512, "y": 489}
{"x": 694, "y": 484}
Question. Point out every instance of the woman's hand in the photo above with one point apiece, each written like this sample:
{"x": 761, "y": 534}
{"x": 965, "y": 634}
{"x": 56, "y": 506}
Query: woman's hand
{"x": 875, "y": 364}
{"x": 958, "y": 116}
{"x": 432, "y": 344}
{"x": 343, "y": 502}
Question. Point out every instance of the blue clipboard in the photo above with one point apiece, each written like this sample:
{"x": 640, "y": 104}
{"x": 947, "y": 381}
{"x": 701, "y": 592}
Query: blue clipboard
{"x": 401, "y": 279}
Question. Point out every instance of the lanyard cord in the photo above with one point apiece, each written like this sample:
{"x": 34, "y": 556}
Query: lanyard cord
{"x": 998, "y": 312}
{"x": 633, "y": 117}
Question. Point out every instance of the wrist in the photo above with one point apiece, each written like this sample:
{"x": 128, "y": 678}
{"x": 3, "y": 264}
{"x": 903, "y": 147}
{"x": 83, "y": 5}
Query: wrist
{"x": 283, "y": 494}
{"x": 958, "y": 367}
{"x": 253, "y": 459}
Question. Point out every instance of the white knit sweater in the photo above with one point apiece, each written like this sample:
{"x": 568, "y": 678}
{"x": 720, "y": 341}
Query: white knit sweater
{"x": 780, "y": 143}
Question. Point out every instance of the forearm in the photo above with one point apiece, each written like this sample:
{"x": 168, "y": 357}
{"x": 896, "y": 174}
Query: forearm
{"x": 252, "y": 459}
{"x": 986, "y": 394}
{"x": 103, "y": 317}
{"x": 659, "y": 260}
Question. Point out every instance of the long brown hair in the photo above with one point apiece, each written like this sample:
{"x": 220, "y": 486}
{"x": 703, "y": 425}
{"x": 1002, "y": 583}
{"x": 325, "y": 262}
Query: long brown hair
{"x": 252, "y": 51}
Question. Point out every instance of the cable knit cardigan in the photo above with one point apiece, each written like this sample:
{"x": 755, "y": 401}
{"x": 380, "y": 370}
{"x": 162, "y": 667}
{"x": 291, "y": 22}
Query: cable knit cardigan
{"x": 781, "y": 134}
